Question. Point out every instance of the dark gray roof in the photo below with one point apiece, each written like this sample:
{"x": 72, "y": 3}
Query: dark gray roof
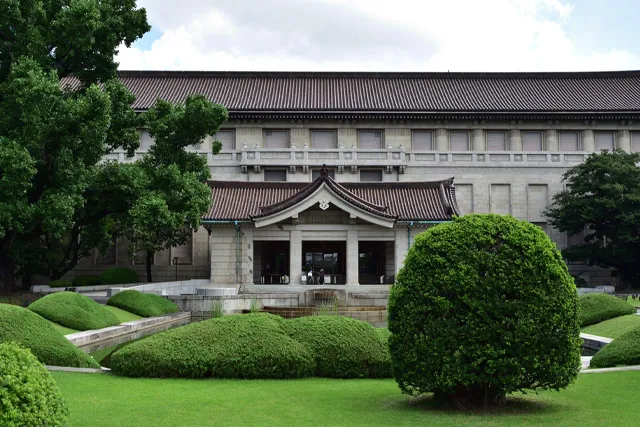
{"x": 306, "y": 92}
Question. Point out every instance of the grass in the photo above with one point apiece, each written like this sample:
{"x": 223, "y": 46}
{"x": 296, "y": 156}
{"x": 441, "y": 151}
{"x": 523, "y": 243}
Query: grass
{"x": 122, "y": 315}
{"x": 62, "y": 329}
{"x": 633, "y": 302}
{"x": 615, "y": 327}
{"x": 107, "y": 400}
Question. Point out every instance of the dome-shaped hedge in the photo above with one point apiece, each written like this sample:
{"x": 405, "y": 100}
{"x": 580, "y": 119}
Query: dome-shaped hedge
{"x": 236, "y": 346}
{"x": 595, "y": 308}
{"x": 145, "y": 305}
{"x": 74, "y": 311}
{"x": 484, "y": 306}
{"x": 342, "y": 347}
{"x": 28, "y": 394}
{"x": 623, "y": 351}
{"x": 26, "y": 328}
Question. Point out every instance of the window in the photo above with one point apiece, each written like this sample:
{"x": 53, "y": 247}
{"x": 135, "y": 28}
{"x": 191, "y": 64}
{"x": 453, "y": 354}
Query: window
{"x": 604, "y": 141}
{"x": 370, "y": 175}
{"x": 109, "y": 257}
{"x": 496, "y": 141}
{"x": 228, "y": 139}
{"x": 315, "y": 174}
{"x": 275, "y": 174}
{"x": 370, "y": 139}
{"x": 635, "y": 142}
{"x": 459, "y": 141}
{"x": 276, "y": 139}
{"x": 422, "y": 140}
{"x": 145, "y": 140}
{"x": 568, "y": 141}
{"x": 184, "y": 253}
{"x": 324, "y": 139}
{"x": 532, "y": 141}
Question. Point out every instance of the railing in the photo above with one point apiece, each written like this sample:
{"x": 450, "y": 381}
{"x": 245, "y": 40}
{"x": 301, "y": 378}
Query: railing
{"x": 491, "y": 158}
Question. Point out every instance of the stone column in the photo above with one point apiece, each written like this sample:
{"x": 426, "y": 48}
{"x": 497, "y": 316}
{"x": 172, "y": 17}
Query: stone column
{"x": 551, "y": 140}
{"x": 478, "y": 141}
{"x": 295, "y": 257}
{"x": 352, "y": 257}
{"x": 588, "y": 142}
{"x": 515, "y": 140}
{"x": 401, "y": 247}
{"x": 442, "y": 140}
{"x": 623, "y": 140}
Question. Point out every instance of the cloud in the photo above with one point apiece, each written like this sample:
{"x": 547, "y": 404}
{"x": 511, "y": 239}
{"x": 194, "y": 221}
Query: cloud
{"x": 365, "y": 35}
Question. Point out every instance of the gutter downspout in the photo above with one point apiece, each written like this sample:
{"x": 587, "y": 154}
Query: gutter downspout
{"x": 409, "y": 235}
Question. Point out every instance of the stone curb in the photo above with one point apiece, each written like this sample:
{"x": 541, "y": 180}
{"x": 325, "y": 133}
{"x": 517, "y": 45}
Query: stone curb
{"x": 79, "y": 370}
{"x": 619, "y": 368}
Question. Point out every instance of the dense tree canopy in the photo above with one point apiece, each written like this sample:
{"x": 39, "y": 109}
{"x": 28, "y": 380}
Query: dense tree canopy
{"x": 602, "y": 200}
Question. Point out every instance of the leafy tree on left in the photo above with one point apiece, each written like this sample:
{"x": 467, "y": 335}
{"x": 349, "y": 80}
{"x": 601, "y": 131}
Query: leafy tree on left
{"x": 52, "y": 138}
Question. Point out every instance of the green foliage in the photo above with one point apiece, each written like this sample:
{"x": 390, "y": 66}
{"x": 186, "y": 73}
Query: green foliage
{"x": 603, "y": 197}
{"x": 484, "y": 306}
{"x": 74, "y": 311}
{"x": 28, "y": 394}
{"x": 26, "y": 328}
{"x": 119, "y": 276}
{"x": 342, "y": 347}
{"x": 60, "y": 284}
{"x": 623, "y": 351}
{"x": 596, "y": 307}
{"x": 145, "y": 305}
{"x": 236, "y": 346}
{"x": 86, "y": 281}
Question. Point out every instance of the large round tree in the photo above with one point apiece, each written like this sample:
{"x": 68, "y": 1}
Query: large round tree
{"x": 484, "y": 306}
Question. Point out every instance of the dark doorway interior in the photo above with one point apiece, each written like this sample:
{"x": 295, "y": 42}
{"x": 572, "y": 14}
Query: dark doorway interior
{"x": 372, "y": 267}
{"x": 326, "y": 261}
{"x": 271, "y": 262}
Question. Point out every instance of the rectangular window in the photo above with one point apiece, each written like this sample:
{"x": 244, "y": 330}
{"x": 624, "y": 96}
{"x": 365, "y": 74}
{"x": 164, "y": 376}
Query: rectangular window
{"x": 496, "y": 141}
{"x": 371, "y": 175}
{"x": 276, "y": 139}
{"x": 227, "y": 138}
{"x": 532, "y": 141}
{"x": 145, "y": 141}
{"x": 324, "y": 139}
{"x": 315, "y": 174}
{"x": 370, "y": 139}
{"x": 275, "y": 174}
{"x": 422, "y": 140}
{"x": 459, "y": 141}
{"x": 568, "y": 141}
{"x": 604, "y": 141}
{"x": 635, "y": 142}
{"x": 183, "y": 253}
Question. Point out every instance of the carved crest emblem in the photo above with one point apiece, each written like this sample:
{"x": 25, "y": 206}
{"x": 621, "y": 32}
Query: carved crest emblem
{"x": 324, "y": 205}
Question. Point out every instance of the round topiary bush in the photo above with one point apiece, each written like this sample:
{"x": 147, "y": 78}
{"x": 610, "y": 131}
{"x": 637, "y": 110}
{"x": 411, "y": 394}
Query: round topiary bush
{"x": 60, "y": 284}
{"x": 236, "y": 346}
{"x": 80, "y": 281}
{"x": 28, "y": 394}
{"x": 26, "y": 328}
{"x": 342, "y": 347}
{"x": 484, "y": 306}
{"x": 74, "y": 311}
{"x": 595, "y": 308}
{"x": 118, "y": 276}
{"x": 145, "y": 305}
{"x": 623, "y": 351}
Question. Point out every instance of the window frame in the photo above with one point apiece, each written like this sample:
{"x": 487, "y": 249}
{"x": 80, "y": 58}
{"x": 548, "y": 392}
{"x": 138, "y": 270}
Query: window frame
{"x": 613, "y": 141}
{"x": 429, "y": 131}
{"x": 578, "y": 142}
{"x": 542, "y": 140}
{"x": 264, "y": 138}
{"x": 468, "y": 133}
{"x": 371, "y": 170}
{"x": 274, "y": 169}
{"x": 359, "y": 131}
{"x": 486, "y": 140}
{"x": 335, "y": 138}
{"x": 233, "y": 142}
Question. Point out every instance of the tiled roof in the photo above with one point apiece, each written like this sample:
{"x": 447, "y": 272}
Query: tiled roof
{"x": 404, "y": 201}
{"x": 392, "y": 92}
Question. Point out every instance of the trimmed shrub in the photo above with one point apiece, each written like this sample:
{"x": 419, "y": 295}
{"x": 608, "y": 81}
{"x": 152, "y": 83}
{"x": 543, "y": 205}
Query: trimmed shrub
{"x": 28, "y": 394}
{"x": 235, "y": 346}
{"x": 342, "y": 347}
{"x": 623, "y": 351}
{"x": 595, "y": 308}
{"x": 80, "y": 281}
{"x": 484, "y": 306}
{"x": 60, "y": 284}
{"x": 74, "y": 311}
{"x": 26, "y": 328}
{"x": 118, "y": 276}
{"x": 145, "y": 305}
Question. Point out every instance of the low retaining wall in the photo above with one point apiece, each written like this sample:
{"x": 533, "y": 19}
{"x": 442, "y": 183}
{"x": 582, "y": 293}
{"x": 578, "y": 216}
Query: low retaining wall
{"x": 594, "y": 342}
{"x": 184, "y": 287}
{"x": 201, "y": 306}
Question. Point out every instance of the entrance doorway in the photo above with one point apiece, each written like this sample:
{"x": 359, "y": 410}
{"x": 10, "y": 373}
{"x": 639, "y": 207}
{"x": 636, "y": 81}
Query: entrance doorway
{"x": 271, "y": 262}
{"x": 324, "y": 262}
{"x": 373, "y": 263}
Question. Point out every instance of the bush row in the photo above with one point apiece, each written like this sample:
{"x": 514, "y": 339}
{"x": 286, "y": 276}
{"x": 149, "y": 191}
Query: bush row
{"x": 595, "y": 308}
{"x": 623, "y": 351}
{"x": 74, "y": 311}
{"x": 112, "y": 276}
{"x": 145, "y": 305}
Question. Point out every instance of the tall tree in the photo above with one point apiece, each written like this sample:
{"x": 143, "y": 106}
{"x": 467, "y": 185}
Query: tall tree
{"x": 53, "y": 138}
{"x": 603, "y": 201}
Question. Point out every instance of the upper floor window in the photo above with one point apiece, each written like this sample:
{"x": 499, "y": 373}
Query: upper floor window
{"x": 315, "y": 174}
{"x": 324, "y": 139}
{"x": 275, "y": 174}
{"x": 422, "y": 140}
{"x": 532, "y": 141}
{"x": 635, "y": 142}
{"x": 370, "y": 139}
{"x": 276, "y": 139}
{"x": 568, "y": 141}
{"x": 371, "y": 175}
{"x": 459, "y": 141}
{"x": 145, "y": 140}
{"x": 496, "y": 141}
{"x": 604, "y": 141}
{"x": 228, "y": 139}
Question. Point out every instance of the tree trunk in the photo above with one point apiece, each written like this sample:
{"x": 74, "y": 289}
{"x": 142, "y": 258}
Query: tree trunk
{"x": 473, "y": 398}
{"x": 149, "y": 262}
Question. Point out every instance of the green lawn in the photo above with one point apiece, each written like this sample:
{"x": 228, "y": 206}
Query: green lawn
{"x": 105, "y": 400}
{"x": 633, "y": 302}
{"x": 122, "y": 315}
{"x": 615, "y": 327}
{"x": 63, "y": 329}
